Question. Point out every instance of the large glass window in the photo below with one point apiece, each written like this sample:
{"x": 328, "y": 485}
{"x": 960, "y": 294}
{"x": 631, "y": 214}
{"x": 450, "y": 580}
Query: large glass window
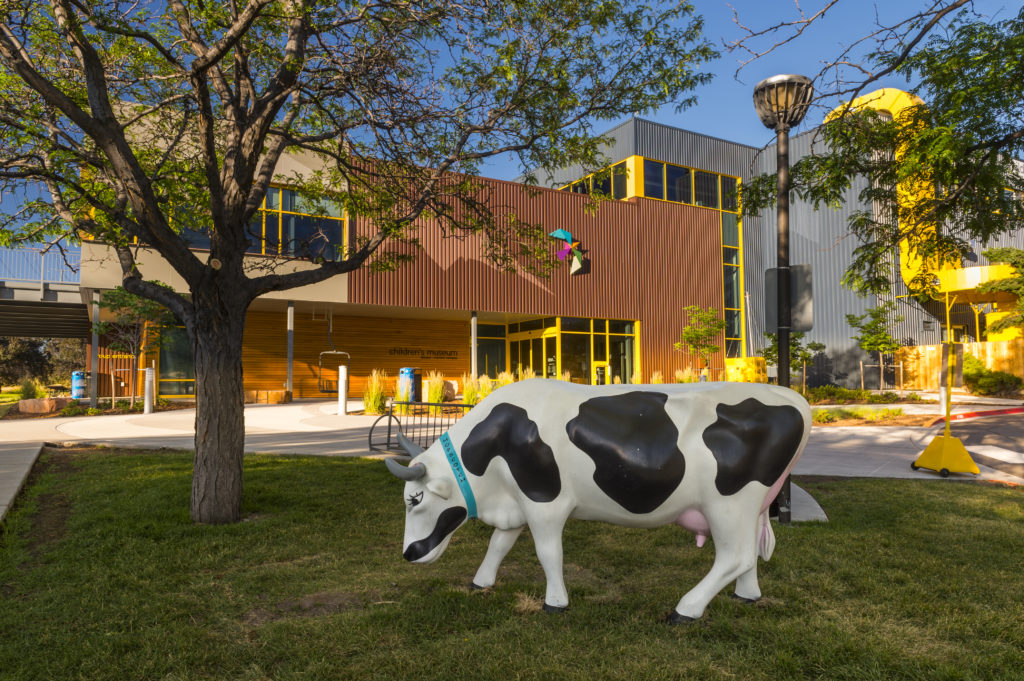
{"x": 576, "y": 357}
{"x": 677, "y": 181}
{"x": 705, "y": 189}
{"x": 654, "y": 179}
{"x": 490, "y": 357}
{"x": 731, "y": 275}
{"x": 620, "y": 358}
{"x": 177, "y": 367}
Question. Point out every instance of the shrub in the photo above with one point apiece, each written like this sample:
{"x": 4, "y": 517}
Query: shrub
{"x": 567, "y": 377}
{"x": 981, "y": 380}
{"x": 375, "y": 394}
{"x": 504, "y": 378}
{"x": 122, "y": 405}
{"x": 637, "y": 378}
{"x": 686, "y": 375}
{"x": 31, "y": 390}
{"x": 822, "y": 416}
{"x": 93, "y": 411}
{"x": 72, "y": 409}
{"x": 657, "y": 377}
{"x": 617, "y": 380}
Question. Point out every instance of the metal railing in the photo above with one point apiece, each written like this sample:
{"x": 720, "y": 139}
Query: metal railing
{"x": 32, "y": 265}
{"x": 422, "y": 422}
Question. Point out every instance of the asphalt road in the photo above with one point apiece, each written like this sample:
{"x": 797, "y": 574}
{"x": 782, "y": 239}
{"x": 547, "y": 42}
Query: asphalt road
{"x": 998, "y": 432}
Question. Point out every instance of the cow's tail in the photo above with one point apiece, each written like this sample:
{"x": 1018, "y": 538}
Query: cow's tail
{"x": 766, "y": 543}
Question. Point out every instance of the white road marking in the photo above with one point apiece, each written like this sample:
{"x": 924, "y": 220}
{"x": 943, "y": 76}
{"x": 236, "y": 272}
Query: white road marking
{"x": 998, "y": 453}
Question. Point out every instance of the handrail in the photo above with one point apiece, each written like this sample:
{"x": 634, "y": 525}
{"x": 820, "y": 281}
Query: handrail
{"x": 36, "y": 266}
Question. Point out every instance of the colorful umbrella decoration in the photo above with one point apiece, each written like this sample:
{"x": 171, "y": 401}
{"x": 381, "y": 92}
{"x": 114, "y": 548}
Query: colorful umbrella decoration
{"x": 571, "y": 246}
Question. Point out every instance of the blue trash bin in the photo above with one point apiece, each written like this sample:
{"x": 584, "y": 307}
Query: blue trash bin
{"x": 412, "y": 377}
{"x": 78, "y": 385}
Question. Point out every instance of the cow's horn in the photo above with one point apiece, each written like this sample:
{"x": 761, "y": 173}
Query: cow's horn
{"x": 411, "y": 448}
{"x": 413, "y": 472}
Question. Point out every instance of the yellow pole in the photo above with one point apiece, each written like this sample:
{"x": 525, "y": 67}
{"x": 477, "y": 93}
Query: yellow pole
{"x": 949, "y": 360}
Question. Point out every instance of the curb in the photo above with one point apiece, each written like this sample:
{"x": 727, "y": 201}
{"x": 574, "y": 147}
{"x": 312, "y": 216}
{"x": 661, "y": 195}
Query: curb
{"x": 976, "y": 414}
{"x": 5, "y": 507}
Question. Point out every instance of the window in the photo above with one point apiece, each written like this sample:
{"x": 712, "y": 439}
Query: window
{"x": 290, "y": 224}
{"x": 619, "y": 181}
{"x": 730, "y": 193}
{"x": 705, "y": 189}
{"x": 654, "y": 179}
{"x": 730, "y": 230}
{"x": 677, "y": 181}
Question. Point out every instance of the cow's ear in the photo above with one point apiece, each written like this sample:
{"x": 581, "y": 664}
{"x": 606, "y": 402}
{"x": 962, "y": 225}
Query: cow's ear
{"x": 441, "y": 488}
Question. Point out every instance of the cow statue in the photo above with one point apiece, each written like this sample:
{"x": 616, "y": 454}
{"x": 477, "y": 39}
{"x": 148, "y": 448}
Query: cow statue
{"x": 709, "y": 457}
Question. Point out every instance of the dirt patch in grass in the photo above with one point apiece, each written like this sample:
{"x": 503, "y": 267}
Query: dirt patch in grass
{"x": 905, "y": 420}
{"x": 49, "y": 524}
{"x": 311, "y": 605}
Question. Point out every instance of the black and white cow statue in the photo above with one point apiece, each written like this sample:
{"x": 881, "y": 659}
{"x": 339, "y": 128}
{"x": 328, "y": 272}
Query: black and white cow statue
{"x": 709, "y": 457}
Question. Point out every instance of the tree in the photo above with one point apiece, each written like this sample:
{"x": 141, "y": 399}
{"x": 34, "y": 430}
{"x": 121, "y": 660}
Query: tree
{"x": 701, "y": 335}
{"x": 146, "y": 123}
{"x": 66, "y": 355}
{"x": 1014, "y": 285}
{"x": 23, "y": 358}
{"x": 941, "y": 173}
{"x": 134, "y": 326}
{"x": 874, "y": 336}
{"x": 798, "y": 352}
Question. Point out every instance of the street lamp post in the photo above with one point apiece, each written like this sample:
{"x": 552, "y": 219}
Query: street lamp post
{"x": 781, "y": 102}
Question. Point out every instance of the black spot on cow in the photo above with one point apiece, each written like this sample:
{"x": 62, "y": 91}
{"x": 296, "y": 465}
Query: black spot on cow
{"x": 753, "y": 441}
{"x": 509, "y": 433}
{"x": 447, "y": 522}
{"x": 634, "y": 445}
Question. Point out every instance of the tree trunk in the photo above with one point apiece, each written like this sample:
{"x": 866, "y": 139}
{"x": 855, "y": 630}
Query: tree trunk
{"x": 881, "y": 372}
{"x": 220, "y": 417}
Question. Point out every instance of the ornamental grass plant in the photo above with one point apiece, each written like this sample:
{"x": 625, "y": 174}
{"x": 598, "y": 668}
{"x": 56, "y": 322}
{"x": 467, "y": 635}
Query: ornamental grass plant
{"x": 375, "y": 393}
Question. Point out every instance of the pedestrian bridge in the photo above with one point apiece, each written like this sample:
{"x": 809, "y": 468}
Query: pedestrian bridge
{"x": 40, "y": 293}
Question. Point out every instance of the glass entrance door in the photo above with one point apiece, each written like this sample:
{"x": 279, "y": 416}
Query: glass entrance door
{"x": 601, "y": 375}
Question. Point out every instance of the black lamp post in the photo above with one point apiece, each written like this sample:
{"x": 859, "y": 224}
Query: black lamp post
{"x": 781, "y": 102}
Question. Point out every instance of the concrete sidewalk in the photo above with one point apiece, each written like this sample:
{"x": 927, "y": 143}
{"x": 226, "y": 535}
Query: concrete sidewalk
{"x": 315, "y": 428}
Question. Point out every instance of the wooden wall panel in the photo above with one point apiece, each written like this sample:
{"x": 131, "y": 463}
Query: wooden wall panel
{"x": 922, "y": 363}
{"x": 373, "y": 342}
{"x": 114, "y": 364}
{"x": 681, "y": 264}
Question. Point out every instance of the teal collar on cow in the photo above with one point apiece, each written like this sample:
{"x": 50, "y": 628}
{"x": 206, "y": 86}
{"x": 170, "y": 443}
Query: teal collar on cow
{"x": 460, "y": 474}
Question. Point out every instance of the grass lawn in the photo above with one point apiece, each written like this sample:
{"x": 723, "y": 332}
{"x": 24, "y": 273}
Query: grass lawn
{"x": 102, "y": 576}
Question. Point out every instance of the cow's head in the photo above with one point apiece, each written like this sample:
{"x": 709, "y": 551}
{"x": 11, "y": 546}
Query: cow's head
{"x": 431, "y": 513}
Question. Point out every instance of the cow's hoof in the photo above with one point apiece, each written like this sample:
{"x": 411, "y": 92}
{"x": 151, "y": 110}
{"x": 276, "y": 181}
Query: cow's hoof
{"x": 476, "y": 587}
{"x": 555, "y": 608}
{"x": 675, "y": 618}
{"x": 744, "y": 599}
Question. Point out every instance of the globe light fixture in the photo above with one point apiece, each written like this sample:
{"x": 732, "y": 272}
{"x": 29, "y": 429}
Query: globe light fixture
{"x": 781, "y": 102}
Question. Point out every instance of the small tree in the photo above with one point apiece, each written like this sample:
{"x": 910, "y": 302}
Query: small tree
{"x": 874, "y": 335}
{"x": 133, "y": 328}
{"x": 798, "y": 352}
{"x": 23, "y": 358}
{"x": 700, "y": 336}
{"x": 1014, "y": 285}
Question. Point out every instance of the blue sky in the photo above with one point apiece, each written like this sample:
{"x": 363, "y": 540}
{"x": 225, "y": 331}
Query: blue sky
{"x": 725, "y": 107}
